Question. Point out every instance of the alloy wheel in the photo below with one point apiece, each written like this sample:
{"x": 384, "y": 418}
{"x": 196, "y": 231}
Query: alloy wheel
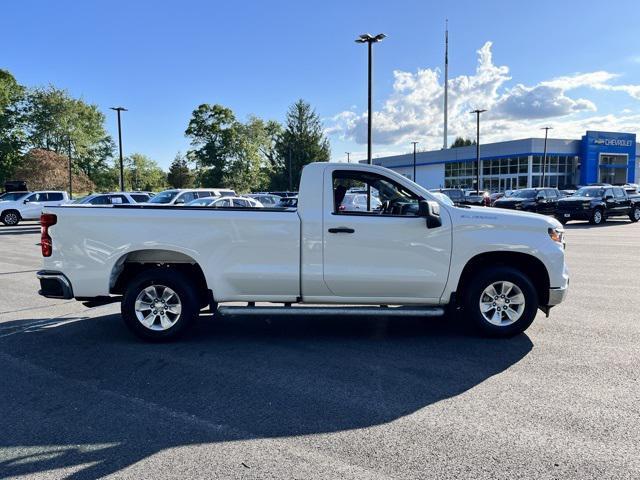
{"x": 158, "y": 307}
{"x": 502, "y": 303}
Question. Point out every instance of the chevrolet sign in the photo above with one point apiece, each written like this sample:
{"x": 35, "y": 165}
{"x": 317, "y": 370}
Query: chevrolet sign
{"x": 612, "y": 142}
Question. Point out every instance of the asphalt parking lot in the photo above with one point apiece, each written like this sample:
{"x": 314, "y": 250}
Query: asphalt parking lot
{"x": 326, "y": 398}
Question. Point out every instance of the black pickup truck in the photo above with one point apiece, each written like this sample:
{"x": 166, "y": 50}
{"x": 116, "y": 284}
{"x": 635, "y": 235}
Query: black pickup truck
{"x": 596, "y": 204}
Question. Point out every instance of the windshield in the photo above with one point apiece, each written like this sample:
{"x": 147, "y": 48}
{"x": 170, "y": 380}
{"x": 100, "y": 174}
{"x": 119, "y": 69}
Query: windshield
{"x": 523, "y": 194}
{"x": 589, "y": 192}
{"x": 83, "y": 199}
{"x": 164, "y": 197}
{"x": 12, "y": 196}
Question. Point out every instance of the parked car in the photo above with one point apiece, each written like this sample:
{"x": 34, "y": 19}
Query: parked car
{"x": 15, "y": 186}
{"x": 500, "y": 268}
{"x": 183, "y": 196}
{"x": 28, "y": 206}
{"x": 219, "y": 202}
{"x": 476, "y": 197}
{"x": 455, "y": 194}
{"x": 10, "y": 196}
{"x": 354, "y": 202}
{"x": 284, "y": 194}
{"x": 538, "y": 200}
{"x": 288, "y": 202}
{"x": 596, "y": 204}
{"x": 112, "y": 198}
{"x": 266, "y": 199}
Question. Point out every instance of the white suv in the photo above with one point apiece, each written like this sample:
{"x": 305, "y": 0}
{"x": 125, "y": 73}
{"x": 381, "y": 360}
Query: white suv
{"x": 29, "y": 206}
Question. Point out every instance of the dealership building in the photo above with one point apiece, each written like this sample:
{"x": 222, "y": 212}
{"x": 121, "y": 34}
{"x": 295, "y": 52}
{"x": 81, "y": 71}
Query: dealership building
{"x": 606, "y": 157}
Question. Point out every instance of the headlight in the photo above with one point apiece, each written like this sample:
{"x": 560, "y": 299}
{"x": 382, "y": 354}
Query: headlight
{"x": 557, "y": 235}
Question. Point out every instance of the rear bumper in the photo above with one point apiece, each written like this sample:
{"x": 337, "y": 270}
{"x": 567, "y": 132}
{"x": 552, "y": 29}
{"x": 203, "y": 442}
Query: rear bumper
{"x": 54, "y": 285}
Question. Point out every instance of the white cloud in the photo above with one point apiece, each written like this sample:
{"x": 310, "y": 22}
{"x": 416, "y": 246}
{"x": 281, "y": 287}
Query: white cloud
{"x": 414, "y": 110}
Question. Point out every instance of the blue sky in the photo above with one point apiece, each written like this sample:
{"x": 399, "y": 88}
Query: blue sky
{"x": 572, "y": 64}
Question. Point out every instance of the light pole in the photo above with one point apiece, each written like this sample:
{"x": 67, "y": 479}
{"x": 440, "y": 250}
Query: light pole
{"x": 370, "y": 40}
{"x": 348, "y": 157}
{"x": 120, "y": 109}
{"x": 477, "y": 112}
{"x": 414, "y": 161}
{"x": 544, "y": 156}
{"x": 69, "y": 155}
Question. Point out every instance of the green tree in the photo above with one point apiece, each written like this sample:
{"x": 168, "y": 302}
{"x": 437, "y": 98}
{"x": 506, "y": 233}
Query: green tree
{"x": 54, "y": 118}
{"x": 142, "y": 173}
{"x": 213, "y": 131}
{"x": 461, "y": 142}
{"x": 301, "y": 142}
{"x": 12, "y": 134}
{"x": 180, "y": 176}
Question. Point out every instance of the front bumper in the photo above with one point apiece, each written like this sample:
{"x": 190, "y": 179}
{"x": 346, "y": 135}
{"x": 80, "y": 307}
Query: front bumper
{"x": 573, "y": 214}
{"x": 557, "y": 295}
{"x": 54, "y": 285}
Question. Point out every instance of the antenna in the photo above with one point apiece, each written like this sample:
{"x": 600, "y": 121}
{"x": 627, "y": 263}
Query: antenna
{"x": 446, "y": 81}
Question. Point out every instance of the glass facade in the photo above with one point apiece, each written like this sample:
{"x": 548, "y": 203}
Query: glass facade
{"x": 502, "y": 174}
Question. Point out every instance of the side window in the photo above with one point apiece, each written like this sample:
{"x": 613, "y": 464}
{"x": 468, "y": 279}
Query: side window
{"x": 618, "y": 192}
{"x": 188, "y": 196}
{"x": 139, "y": 198}
{"x": 237, "y": 202}
{"x": 118, "y": 199}
{"x": 54, "y": 197}
{"x": 386, "y": 198}
{"x": 608, "y": 193}
{"x": 31, "y": 198}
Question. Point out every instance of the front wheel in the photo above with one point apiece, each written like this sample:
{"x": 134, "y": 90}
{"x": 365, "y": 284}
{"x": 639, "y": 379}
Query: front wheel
{"x": 159, "y": 304}
{"x": 10, "y": 218}
{"x": 597, "y": 217}
{"x": 634, "y": 216}
{"x": 500, "y": 302}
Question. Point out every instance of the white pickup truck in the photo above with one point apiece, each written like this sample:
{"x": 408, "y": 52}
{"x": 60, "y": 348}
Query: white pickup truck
{"x": 409, "y": 254}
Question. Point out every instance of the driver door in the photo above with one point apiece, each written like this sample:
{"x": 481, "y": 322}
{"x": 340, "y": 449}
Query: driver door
{"x": 386, "y": 253}
{"x": 32, "y": 206}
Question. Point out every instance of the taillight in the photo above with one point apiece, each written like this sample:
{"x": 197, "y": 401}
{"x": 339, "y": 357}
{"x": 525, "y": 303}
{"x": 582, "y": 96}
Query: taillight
{"x": 46, "y": 244}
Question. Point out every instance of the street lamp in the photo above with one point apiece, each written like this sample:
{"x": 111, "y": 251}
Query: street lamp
{"x": 370, "y": 40}
{"x": 120, "y": 109}
{"x": 69, "y": 155}
{"x": 477, "y": 112}
{"x": 544, "y": 157}
{"x": 348, "y": 157}
{"x": 414, "y": 161}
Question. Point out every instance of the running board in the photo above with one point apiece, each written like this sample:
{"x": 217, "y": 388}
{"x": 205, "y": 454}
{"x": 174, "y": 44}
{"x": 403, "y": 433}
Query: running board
{"x": 324, "y": 311}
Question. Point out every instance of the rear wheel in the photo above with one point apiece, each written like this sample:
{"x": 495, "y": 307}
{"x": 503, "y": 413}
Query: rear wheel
{"x": 500, "y": 302}
{"x": 10, "y": 218}
{"x": 634, "y": 216}
{"x": 160, "y": 304}
{"x": 597, "y": 217}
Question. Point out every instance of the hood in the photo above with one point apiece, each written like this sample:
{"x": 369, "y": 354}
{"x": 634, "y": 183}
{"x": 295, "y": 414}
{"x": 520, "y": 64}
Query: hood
{"x": 497, "y": 216}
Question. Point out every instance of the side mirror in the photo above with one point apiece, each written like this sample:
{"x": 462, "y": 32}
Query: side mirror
{"x": 431, "y": 211}
{"x": 608, "y": 198}
{"x": 24, "y": 202}
{"x": 540, "y": 197}
{"x": 179, "y": 201}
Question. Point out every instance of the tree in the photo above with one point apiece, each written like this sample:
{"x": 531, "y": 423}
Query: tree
{"x": 12, "y": 136}
{"x": 44, "y": 169}
{"x": 54, "y": 118}
{"x": 142, "y": 173}
{"x": 213, "y": 131}
{"x": 301, "y": 142}
{"x": 180, "y": 176}
{"x": 461, "y": 142}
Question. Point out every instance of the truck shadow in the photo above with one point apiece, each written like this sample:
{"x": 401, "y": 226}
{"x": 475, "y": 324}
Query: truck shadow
{"x": 88, "y": 397}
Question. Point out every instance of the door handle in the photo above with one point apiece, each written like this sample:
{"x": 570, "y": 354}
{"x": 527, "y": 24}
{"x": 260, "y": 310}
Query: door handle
{"x": 341, "y": 230}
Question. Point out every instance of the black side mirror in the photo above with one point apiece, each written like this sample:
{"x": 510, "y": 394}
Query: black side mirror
{"x": 608, "y": 197}
{"x": 431, "y": 211}
{"x": 24, "y": 202}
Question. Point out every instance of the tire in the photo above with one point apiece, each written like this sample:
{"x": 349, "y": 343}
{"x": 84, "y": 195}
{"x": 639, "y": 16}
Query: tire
{"x": 508, "y": 321}
{"x": 597, "y": 217}
{"x": 634, "y": 216}
{"x": 171, "y": 319}
{"x": 10, "y": 218}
